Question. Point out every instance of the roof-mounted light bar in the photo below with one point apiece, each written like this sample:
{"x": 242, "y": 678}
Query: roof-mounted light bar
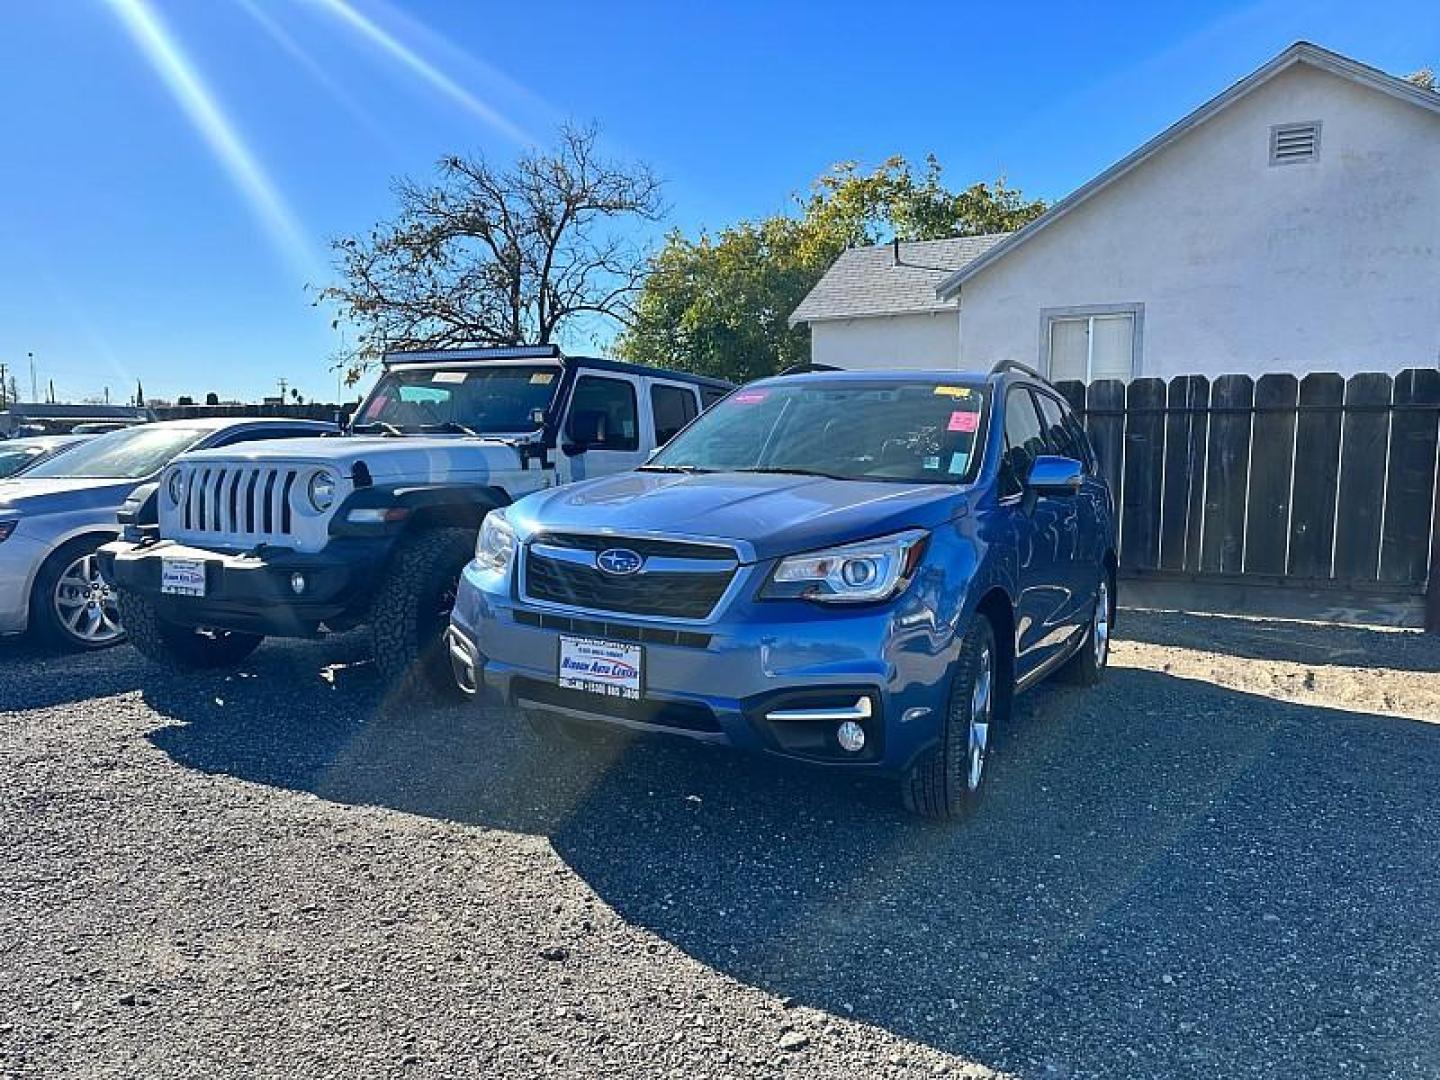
{"x": 500, "y": 352}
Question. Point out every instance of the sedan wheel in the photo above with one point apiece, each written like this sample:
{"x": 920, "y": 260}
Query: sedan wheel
{"x": 85, "y": 604}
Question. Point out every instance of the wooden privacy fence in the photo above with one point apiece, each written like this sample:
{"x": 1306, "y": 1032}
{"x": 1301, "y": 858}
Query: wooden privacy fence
{"x": 1316, "y": 481}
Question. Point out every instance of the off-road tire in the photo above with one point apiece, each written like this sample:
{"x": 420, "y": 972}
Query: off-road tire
{"x": 1087, "y": 666}
{"x": 411, "y": 611}
{"x": 937, "y": 785}
{"x": 45, "y": 622}
{"x": 180, "y": 648}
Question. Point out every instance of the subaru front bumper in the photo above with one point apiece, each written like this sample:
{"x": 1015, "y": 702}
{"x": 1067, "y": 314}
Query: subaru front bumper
{"x": 772, "y": 676}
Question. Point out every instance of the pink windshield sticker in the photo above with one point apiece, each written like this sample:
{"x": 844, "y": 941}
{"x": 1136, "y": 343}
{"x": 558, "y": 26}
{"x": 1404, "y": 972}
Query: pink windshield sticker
{"x": 964, "y": 421}
{"x": 751, "y": 397}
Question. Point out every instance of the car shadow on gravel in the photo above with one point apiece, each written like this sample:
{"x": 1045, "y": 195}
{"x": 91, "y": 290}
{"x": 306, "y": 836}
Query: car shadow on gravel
{"x": 1168, "y": 877}
{"x": 33, "y": 676}
{"x": 1279, "y": 639}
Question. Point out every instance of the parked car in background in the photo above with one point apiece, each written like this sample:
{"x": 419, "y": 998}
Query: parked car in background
{"x": 852, "y": 568}
{"x": 56, "y": 514}
{"x": 17, "y": 455}
{"x": 374, "y": 529}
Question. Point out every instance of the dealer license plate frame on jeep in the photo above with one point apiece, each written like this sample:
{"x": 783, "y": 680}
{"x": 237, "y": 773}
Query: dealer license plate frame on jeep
{"x": 613, "y": 669}
{"x": 182, "y": 577}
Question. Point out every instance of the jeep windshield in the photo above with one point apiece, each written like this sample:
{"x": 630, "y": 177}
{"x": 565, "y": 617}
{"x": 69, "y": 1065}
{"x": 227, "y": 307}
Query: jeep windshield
{"x": 493, "y": 400}
{"x": 920, "y": 431}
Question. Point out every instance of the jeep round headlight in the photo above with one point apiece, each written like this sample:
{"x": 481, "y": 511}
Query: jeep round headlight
{"x": 175, "y": 486}
{"x": 322, "y": 491}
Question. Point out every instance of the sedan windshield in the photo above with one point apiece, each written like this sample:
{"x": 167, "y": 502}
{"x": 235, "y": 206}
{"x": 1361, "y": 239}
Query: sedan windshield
{"x": 121, "y": 455}
{"x": 15, "y": 458}
{"x": 920, "y": 431}
{"x": 499, "y": 400}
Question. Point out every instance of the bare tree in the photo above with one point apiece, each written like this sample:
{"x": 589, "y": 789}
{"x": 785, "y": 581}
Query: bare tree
{"x": 497, "y": 256}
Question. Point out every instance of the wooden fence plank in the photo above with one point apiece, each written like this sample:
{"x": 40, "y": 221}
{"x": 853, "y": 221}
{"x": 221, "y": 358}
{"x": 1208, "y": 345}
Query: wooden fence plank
{"x": 1362, "y": 477}
{"x": 1105, "y": 424}
{"x": 1410, "y": 477}
{"x": 1180, "y": 419}
{"x": 1201, "y": 391}
{"x": 1317, "y": 454}
{"x": 1272, "y": 460}
{"x": 1144, "y": 473}
{"x": 1226, "y": 472}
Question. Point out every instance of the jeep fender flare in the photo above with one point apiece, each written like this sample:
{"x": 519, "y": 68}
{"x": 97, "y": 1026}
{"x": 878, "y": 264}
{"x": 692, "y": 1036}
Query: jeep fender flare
{"x": 392, "y": 509}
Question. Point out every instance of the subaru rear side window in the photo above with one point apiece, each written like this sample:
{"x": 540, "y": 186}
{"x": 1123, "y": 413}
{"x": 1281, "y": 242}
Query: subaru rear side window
{"x": 603, "y": 415}
{"x": 1060, "y": 434}
{"x": 673, "y": 407}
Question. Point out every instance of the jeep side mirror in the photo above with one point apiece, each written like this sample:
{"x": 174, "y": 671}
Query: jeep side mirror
{"x": 1052, "y": 475}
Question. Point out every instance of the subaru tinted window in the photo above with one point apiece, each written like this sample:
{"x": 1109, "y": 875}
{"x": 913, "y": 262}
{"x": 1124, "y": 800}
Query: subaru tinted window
{"x": 1059, "y": 433}
{"x": 855, "y": 430}
{"x": 1024, "y": 440}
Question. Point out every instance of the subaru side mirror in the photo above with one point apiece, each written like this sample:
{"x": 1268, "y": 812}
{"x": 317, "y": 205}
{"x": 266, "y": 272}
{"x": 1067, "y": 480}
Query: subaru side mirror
{"x": 1052, "y": 475}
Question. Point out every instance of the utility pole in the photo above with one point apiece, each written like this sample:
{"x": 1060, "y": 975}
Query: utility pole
{"x": 34, "y": 390}
{"x": 283, "y": 385}
{"x": 107, "y": 395}
{"x": 4, "y": 388}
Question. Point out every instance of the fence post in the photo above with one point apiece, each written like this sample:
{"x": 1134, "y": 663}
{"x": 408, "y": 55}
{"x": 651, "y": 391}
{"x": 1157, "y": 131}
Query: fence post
{"x": 1432, "y": 580}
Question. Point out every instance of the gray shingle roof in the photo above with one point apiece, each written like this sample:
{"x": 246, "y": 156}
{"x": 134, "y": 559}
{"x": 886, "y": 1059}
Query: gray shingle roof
{"x": 866, "y": 281}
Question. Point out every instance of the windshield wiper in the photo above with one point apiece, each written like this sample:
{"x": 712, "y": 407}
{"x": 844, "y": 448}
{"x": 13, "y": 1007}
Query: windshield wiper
{"x": 792, "y": 472}
{"x": 689, "y": 470}
{"x": 451, "y": 425}
{"x": 380, "y": 426}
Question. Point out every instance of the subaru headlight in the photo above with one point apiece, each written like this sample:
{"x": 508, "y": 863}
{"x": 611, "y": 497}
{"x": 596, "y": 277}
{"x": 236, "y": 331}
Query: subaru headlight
{"x": 854, "y": 573}
{"x": 175, "y": 486}
{"x": 495, "y": 547}
{"x": 322, "y": 490}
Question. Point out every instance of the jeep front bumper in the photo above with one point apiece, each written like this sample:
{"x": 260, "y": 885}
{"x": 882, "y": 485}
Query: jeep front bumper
{"x": 276, "y": 592}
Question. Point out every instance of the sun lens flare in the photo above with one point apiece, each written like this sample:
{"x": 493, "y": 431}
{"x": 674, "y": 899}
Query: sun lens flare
{"x": 193, "y": 96}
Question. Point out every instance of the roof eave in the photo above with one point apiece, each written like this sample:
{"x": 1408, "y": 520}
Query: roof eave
{"x": 1301, "y": 51}
{"x": 843, "y": 316}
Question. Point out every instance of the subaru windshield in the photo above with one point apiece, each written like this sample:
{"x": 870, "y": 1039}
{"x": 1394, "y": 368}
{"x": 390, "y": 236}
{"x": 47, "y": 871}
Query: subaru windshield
{"x": 923, "y": 431}
{"x": 492, "y": 400}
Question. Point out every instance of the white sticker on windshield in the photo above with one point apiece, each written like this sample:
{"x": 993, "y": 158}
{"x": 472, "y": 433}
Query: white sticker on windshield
{"x": 932, "y": 462}
{"x": 541, "y": 378}
{"x": 959, "y": 463}
{"x": 450, "y": 376}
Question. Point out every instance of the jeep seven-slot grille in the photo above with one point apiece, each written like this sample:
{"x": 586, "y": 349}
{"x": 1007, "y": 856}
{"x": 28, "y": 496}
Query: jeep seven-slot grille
{"x": 237, "y": 500}
{"x": 689, "y": 593}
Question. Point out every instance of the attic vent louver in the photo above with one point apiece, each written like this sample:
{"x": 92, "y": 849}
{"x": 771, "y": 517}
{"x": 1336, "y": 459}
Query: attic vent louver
{"x": 1292, "y": 143}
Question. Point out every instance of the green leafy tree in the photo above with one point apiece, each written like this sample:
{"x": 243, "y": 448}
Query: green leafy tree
{"x": 720, "y": 303}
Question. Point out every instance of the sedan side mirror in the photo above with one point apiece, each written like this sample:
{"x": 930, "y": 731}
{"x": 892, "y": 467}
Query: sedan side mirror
{"x": 1051, "y": 475}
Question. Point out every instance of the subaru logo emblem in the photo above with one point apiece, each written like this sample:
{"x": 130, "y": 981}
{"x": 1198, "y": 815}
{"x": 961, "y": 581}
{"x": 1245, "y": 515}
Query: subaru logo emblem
{"x": 619, "y": 561}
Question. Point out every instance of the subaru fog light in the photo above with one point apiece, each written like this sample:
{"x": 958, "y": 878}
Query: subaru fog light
{"x": 851, "y": 737}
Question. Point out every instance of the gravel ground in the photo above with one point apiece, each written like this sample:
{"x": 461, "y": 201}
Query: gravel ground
{"x": 1224, "y": 862}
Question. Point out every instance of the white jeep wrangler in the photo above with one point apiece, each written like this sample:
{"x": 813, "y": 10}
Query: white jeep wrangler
{"x": 307, "y": 536}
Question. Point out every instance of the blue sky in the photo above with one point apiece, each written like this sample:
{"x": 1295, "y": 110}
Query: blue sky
{"x": 153, "y": 235}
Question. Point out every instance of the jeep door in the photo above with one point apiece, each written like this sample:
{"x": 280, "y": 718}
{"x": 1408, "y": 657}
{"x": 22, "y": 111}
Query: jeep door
{"x": 603, "y": 430}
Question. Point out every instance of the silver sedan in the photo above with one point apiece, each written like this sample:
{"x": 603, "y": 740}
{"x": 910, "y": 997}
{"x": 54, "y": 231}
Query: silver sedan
{"x": 56, "y": 513}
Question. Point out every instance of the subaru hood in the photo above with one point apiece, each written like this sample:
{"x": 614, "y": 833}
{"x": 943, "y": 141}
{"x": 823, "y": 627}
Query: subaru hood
{"x": 776, "y": 513}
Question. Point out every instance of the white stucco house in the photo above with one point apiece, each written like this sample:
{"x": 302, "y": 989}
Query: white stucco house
{"x": 1290, "y": 224}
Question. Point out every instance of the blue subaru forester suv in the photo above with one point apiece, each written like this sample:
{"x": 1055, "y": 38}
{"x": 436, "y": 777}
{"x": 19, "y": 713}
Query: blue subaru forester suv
{"x": 853, "y": 568}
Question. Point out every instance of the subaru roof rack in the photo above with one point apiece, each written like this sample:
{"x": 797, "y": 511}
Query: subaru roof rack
{"x": 1003, "y": 366}
{"x": 801, "y": 369}
{"x": 498, "y": 352}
